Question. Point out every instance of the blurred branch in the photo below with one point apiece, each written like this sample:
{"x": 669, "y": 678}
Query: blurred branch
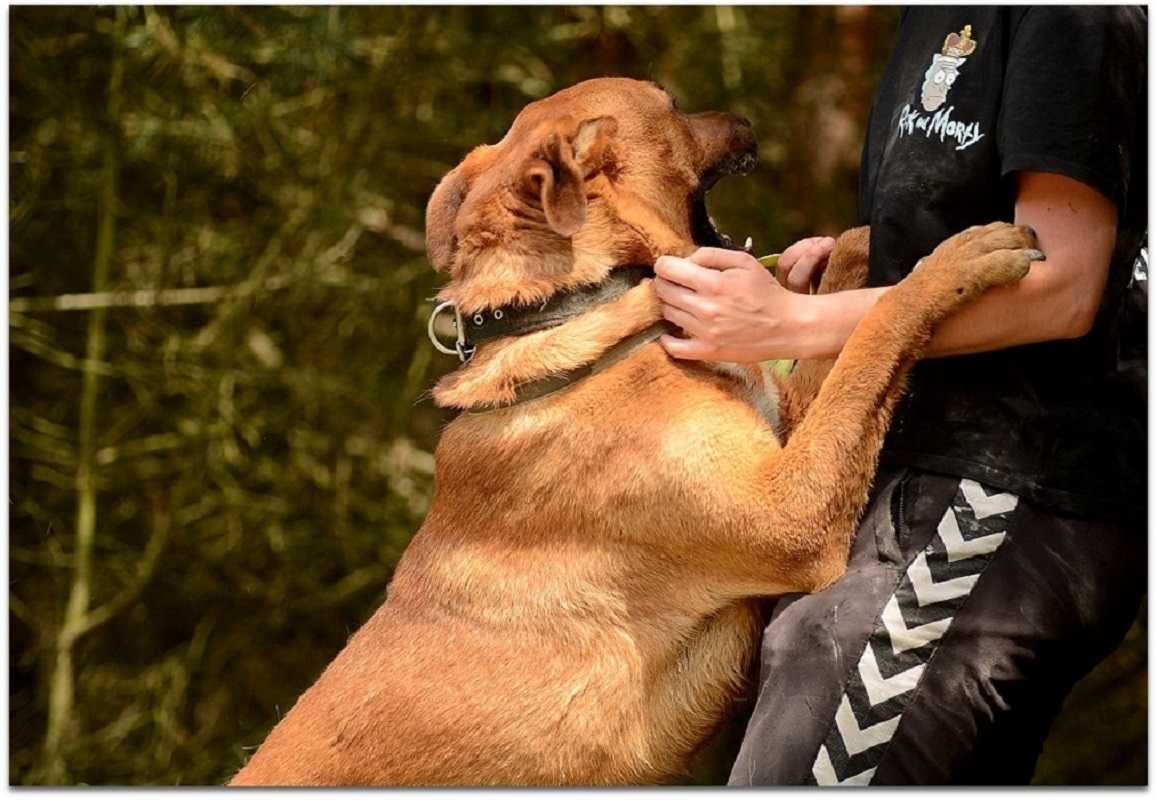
{"x": 150, "y": 444}
{"x": 19, "y": 609}
{"x": 162, "y": 525}
{"x": 54, "y": 560}
{"x": 348, "y": 586}
{"x": 146, "y": 298}
{"x": 61, "y": 717}
{"x": 50, "y": 447}
{"x": 41, "y": 347}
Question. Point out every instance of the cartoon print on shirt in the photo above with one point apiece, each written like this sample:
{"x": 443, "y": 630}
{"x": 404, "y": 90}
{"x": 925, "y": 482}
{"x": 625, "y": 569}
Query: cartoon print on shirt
{"x": 940, "y": 77}
{"x": 945, "y": 68}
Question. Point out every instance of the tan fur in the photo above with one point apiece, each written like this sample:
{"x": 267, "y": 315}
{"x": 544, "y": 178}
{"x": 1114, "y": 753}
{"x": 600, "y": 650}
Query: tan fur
{"x": 578, "y": 607}
{"x": 847, "y": 269}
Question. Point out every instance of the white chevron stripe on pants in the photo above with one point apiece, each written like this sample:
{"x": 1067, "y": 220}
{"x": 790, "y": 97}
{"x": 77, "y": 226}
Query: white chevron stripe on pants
{"x": 931, "y": 591}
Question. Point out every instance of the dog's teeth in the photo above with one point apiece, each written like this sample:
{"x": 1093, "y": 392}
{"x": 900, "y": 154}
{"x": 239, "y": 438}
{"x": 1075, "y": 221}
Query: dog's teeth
{"x": 748, "y": 244}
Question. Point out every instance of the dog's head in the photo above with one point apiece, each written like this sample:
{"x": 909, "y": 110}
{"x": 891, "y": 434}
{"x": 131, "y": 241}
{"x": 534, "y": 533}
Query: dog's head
{"x": 603, "y": 174}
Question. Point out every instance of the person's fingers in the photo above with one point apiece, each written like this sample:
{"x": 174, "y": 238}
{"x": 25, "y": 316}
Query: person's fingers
{"x": 687, "y": 349}
{"x": 806, "y": 273}
{"x": 809, "y": 267}
{"x": 688, "y": 322}
{"x": 800, "y": 275}
{"x": 806, "y": 251}
{"x": 792, "y": 253}
{"x": 683, "y": 298}
{"x": 827, "y": 244}
{"x": 783, "y": 269}
{"x": 684, "y": 273}
{"x": 721, "y": 258}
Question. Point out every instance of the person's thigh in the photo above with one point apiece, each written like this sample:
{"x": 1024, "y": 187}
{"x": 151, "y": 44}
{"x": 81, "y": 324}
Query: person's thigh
{"x": 944, "y": 653}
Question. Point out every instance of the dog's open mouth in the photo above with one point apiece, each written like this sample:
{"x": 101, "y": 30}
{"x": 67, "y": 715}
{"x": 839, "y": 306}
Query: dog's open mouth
{"x": 703, "y": 230}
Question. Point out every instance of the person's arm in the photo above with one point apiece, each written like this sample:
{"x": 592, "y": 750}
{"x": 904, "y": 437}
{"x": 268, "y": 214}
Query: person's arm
{"x": 731, "y": 308}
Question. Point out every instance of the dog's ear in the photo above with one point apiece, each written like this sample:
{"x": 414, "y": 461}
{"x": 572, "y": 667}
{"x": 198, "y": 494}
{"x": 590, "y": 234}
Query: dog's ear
{"x": 441, "y": 212}
{"x": 557, "y": 175}
{"x": 591, "y": 143}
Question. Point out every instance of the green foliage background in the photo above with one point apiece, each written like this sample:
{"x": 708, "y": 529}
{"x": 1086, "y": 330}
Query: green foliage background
{"x": 209, "y": 488}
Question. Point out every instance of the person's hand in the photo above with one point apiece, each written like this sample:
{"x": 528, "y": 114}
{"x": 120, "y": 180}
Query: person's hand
{"x": 728, "y": 305}
{"x": 802, "y": 264}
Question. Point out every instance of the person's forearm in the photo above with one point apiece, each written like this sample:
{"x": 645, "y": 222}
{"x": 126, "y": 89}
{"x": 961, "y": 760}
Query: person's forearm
{"x": 1036, "y": 309}
{"x": 1076, "y": 228}
{"x": 730, "y": 309}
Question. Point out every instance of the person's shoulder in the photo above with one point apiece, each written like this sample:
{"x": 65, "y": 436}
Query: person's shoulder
{"x": 1129, "y": 24}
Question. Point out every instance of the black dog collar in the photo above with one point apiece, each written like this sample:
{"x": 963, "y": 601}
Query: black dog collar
{"x": 515, "y": 320}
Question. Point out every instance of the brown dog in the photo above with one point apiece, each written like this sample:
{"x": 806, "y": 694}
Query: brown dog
{"x": 578, "y": 606}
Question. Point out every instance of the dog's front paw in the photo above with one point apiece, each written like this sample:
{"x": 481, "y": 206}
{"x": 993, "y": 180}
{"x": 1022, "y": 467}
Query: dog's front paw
{"x": 981, "y": 257}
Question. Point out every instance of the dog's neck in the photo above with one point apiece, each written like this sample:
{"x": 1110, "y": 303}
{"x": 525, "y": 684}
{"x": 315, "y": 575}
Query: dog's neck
{"x": 492, "y": 377}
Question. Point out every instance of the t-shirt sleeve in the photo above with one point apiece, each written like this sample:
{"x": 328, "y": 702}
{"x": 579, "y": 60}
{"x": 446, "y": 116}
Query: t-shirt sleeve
{"x": 1073, "y": 90}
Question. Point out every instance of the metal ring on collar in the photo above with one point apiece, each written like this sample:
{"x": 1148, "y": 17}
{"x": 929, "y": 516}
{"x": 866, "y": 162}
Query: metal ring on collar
{"x": 459, "y": 349}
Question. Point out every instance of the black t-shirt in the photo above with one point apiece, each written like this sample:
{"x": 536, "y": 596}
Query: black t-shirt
{"x": 971, "y": 96}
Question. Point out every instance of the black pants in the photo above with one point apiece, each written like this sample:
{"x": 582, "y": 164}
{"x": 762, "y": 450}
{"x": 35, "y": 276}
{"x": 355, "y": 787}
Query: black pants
{"x": 945, "y": 652}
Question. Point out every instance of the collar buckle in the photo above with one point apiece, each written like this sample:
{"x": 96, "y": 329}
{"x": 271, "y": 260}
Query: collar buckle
{"x": 461, "y": 348}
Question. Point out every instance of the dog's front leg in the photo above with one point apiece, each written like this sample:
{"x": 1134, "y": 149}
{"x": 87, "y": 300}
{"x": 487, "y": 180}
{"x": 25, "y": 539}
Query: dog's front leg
{"x": 820, "y": 479}
{"x": 847, "y": 269}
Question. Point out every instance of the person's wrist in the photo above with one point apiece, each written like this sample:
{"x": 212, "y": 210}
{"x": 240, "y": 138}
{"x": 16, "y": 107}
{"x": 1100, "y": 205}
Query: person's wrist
{"x": 789, "y": 325}
{"x": 808, "y": 324}
{"x": 816, "y": 322}
{"x": 834, "y": 316}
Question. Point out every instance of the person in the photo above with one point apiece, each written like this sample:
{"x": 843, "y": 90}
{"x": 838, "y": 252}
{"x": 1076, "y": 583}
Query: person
{"x": 1002, "y": 552}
